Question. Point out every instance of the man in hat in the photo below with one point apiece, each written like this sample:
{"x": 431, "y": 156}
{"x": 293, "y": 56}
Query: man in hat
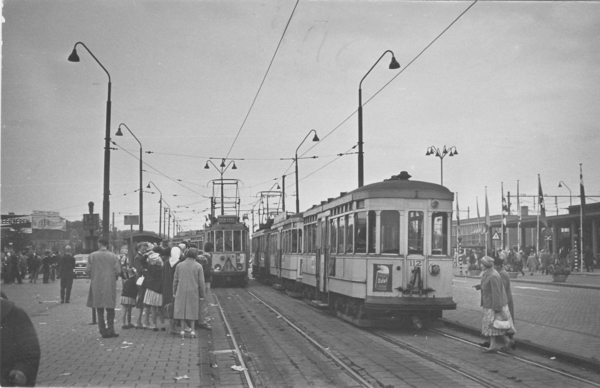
{"x": 104, "y": 268}
{"x": 65, "y": 273}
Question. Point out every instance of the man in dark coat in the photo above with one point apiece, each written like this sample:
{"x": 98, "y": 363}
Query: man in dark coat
{"x": 46, "y": 262}
{"x": 65, "y": 273}
{"x": 19, "y": 347}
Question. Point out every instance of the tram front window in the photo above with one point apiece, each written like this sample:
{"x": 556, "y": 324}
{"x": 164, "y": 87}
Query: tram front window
{"x": 228, "y": 240}
{"x": 237, "y": 240}
{"x": 219, "y": 241}
{"x": 415, "y": 233}
{"x": 390, "y": 231}
{"x": 244, "y": 237}
{"x": 439, "y": 234}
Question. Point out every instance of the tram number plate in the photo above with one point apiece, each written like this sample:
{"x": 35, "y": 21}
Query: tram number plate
{"x": 415, "y": 263}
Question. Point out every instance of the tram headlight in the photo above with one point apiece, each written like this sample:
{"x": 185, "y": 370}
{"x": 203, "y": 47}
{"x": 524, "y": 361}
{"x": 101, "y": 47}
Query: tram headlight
{"x": 217, "y": 267}
{"x": 434, "y": 270}
{"x": 240, "y": 266}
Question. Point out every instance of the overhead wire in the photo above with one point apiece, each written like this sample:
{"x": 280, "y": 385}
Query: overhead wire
{"x": 264, "y": 78}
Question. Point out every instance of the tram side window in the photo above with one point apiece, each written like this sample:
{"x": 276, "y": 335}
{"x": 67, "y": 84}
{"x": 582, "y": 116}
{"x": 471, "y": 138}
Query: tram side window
{"x": 294, "y": 241}
{"x": 390, "y": 231}
{"x": 313, "y": 239}
{"x": 211, "y": 238}
{"x": 371, "y": 229}
{"x": 349, "y": 220}
{"x": 299, "y": 241}
{"x": 219, "y": 241}
{"x": 341, "y": 233}
{"x": 244, "y": 240}
{"x": 237, "y": 240}
{"x": 415, "y": 232}
{"x": 333, "y": 235}
{"x": 360, "y": 239}
{"x": 439, "y": 234}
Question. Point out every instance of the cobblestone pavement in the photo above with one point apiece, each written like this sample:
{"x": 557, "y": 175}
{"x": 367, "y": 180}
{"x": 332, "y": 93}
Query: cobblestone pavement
{"x": 562, "y": 319}
{"x": 74, "y": 353}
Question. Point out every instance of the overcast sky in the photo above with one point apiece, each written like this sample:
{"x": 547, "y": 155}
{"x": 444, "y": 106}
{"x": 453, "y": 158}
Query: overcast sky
{"x": 515, "y": 87}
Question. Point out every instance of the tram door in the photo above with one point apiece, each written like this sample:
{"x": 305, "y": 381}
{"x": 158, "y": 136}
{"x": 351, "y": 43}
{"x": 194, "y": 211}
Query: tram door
{"x": 325, "y": 252}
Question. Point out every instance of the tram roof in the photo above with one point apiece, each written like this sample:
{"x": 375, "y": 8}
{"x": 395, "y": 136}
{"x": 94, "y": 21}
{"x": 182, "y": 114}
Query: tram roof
{"x": 399, "y": 186}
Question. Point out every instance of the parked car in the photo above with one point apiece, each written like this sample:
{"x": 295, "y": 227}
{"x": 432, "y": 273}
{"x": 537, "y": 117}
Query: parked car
{"x": 80, "y": 264}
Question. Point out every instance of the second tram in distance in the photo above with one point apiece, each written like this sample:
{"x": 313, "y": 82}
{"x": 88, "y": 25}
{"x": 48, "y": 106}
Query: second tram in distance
{"x": 230, "y": 254}
{"x": 377, "y": 255}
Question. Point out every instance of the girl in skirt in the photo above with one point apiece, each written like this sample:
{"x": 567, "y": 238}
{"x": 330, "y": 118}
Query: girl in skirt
{"x": 128, "y": 296}
{"x": 153, "y": 297}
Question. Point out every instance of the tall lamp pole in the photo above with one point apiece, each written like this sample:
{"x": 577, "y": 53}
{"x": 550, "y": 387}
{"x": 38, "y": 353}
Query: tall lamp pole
{"x": 106, "y": 198}
{"x": 119, "y": 133}
{"x": 570, "y": 196}
{"x": 222, "y": 168}
{"x": 393, "y": 65}
{"x": 441, "y": 153}
{"x": 160, "y": 207}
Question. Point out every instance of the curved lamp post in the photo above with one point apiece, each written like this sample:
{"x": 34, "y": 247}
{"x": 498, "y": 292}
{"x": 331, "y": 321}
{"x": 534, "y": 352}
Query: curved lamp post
{"x": 106, "y": 201}
{"x": 570, "y": 195}
{"x": 159, "y": 208}
{"x": 315, "y": 138}
{"x": 393, "y": 65}
{"x": 222, "y": 168}
{"x": 119, "y": 133}
{"x": 441, "y": 153}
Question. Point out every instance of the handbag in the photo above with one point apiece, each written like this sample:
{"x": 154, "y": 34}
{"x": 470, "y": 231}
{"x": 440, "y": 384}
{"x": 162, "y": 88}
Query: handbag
{"x": 140, "y": 281}
{"x": 501, "y": 322}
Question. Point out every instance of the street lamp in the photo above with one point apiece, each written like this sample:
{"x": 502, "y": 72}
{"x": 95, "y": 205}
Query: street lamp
{"x": 106, "y": 201}
{"x": 315, "y": 138}
{"x": 119, "y": 133}
{"x": 570, "y": 196}
{"x": 222, "y": 168}
{"x": 160, "y": 207}
{"x": 441, "y": 154}
{"x": 393, "y": 65}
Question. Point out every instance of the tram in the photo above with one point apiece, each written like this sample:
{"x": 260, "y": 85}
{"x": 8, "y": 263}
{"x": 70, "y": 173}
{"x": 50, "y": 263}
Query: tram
{"x": 230, "y": 255}
{"x": 379, "y": 255}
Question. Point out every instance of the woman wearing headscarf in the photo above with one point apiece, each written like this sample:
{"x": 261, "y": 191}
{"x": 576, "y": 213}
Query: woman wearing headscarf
{"x": 188, "y": 287}
{"x": 168, "y": 275}
{"x": 499, "y": 266}
{"x": 495, "y": 306}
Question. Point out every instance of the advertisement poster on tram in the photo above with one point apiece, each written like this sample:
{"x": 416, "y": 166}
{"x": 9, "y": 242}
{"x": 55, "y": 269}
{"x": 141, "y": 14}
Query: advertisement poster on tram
{"x": 382, "y": 277}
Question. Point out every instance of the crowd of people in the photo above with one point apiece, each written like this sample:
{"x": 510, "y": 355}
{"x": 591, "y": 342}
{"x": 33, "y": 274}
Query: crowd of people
{"x": 29, "y": 264}
{"x": 161, "y": 282}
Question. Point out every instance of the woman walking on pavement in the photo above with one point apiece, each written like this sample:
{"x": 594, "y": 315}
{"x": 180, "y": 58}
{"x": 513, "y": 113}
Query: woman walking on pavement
{"x": 495, "y": 307}
{"x": 532, "y": 262}
{"x": 168, "y": 275}
{"x": 499, "y": 266}
{"x": 154, "y": 288}
{"x": 188, "y": 288}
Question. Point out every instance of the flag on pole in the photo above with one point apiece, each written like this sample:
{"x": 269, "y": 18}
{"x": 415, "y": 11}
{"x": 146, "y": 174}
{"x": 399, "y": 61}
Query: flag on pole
{"x": 581, "y": 191}
{"x": 487, "y": 224}
{"x": 478, "y": 220}
{"x": 541, "y": 203}
{"x": 457, "y": 217}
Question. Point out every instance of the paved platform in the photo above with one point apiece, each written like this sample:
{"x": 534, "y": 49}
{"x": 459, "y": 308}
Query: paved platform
{"x": 569, "y": 328}
{"x": 74, "y": 353}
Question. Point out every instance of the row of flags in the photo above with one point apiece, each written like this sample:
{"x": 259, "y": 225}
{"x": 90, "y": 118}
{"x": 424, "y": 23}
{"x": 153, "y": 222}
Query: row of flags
{"x": 483, "y": 229}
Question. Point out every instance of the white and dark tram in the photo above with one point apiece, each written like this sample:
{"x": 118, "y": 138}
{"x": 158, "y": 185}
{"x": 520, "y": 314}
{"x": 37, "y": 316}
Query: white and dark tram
{"x": 230, "y": 255}
{"x": 379, "y": 254}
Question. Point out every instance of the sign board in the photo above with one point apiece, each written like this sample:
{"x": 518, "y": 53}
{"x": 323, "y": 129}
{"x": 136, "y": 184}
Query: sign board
{"x": 132, "y": 220}
{"x": 227, "y": 219}
{"x": 91, "y": 221}
{"x": 16, "y": 221}
{"x": 48, "y": 220}
{"x": 496, "y": 236}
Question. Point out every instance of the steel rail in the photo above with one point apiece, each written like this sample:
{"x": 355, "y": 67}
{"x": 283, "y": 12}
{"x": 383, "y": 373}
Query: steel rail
{"x": 534, "y": 363}
{"x": 235, "y": 344}
{"x": 322, "y": 348}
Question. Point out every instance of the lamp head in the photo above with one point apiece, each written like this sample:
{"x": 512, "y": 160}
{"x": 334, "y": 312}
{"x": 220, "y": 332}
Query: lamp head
{"x": 148, "y": 187}
{"x": 119, "y": 133}
{"x": 559, "y": 184}
{"x": 278, "y": 187}
{"x": 394, "y": 64}
{"x": 73, "y": 57}
{"x": 234, "y": 167}
{"x": 206, "y": 166}
{"x": 428, "y": 152}
{"x": 316, "y": 138}
{"x": 222, "y": 163}
{"x": 455, "y": 152}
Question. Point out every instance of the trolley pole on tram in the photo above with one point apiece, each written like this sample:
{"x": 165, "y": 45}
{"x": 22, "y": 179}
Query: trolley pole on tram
{"x": 222, "y": 168}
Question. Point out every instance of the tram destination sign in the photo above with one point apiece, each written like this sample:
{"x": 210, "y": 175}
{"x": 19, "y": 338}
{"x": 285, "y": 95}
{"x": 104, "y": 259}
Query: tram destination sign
{"x": 227, "y": 219}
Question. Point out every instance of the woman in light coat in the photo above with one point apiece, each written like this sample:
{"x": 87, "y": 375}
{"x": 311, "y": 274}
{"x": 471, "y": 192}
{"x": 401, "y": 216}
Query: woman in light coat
{"x": 495, "y": 306}
{"x": 532, "y": 262}
{"x": 188, "y": 288}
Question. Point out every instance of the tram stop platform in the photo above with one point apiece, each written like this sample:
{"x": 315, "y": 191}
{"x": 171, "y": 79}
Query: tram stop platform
{"x": 556, "y": 319}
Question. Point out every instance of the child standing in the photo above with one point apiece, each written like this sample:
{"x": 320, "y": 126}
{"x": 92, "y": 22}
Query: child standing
{"x": 128, "y": 297}
{"x": 153, "y": 297}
